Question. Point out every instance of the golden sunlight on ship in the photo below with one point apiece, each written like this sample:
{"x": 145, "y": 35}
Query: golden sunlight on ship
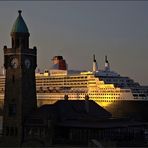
{"x": 104, "y": 104}
{"x": 107, "y": 100}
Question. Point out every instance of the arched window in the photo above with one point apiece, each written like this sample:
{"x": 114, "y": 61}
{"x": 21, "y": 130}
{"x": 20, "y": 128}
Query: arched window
{"x": 16, "y": 131}
{"x": 7, "y": 131}
{"x": 11, "y": 131}
{"x": 12, "y": 43}
{"x": 13, "y": 79}
{"x": 17, "y": 43}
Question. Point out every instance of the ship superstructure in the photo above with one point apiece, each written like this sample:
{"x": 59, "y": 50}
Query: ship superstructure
{"x": 111, "y": 77}
{"x": 106, "y": 87}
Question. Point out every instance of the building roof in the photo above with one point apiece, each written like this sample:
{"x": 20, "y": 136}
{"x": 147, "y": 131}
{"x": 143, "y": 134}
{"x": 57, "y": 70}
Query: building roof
{"x": 80, "y": 109}
{"x": 66, "y": 110}
{"x": 19, "y": 25}
{"x": 79, "y": 114}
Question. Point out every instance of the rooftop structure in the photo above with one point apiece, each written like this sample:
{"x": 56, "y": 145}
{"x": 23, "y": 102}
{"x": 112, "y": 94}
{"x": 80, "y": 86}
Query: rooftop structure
{"x": 19, "y": 25}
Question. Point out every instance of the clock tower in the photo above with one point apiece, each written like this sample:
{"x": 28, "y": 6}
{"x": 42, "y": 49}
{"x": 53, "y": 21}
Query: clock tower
{"x": 20, "y": 86}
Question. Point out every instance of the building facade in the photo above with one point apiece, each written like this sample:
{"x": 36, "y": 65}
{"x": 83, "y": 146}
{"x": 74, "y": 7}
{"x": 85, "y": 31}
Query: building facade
{"x": 20, "y": 87}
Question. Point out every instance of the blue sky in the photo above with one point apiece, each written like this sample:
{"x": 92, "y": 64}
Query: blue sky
{"x": 77, "y": 30}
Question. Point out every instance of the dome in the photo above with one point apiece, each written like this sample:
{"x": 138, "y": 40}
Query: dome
{"x": 19, "y": 25}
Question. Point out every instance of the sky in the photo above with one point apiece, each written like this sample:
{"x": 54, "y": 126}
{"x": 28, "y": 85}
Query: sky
{"x": 78, "y": 29}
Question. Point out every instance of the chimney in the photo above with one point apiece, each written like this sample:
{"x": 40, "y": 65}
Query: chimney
{"x": 107, "y": 66}
{"x": 65, "y": 97}
{"x": 95, "y": 65}
{"x": 87, "y": 103}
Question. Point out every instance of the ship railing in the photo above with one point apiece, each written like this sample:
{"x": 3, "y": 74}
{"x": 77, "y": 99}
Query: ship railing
{"x": 141, "y": 98}
{"x": 59, "y": 91}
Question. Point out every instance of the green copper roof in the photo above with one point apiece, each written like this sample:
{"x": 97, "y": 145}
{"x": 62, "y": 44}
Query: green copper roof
{"x": 19, "y": 25}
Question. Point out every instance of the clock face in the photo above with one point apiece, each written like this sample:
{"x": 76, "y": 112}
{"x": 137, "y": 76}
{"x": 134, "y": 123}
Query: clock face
{"x": 14, "y": 62}
{"x": 27, "y": 63}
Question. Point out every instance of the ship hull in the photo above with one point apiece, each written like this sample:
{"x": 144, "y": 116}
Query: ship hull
{"x": 137, "y": 110}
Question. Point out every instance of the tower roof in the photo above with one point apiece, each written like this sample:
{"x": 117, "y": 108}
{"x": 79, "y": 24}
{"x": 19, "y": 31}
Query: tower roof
{"x": 19, "y": 25}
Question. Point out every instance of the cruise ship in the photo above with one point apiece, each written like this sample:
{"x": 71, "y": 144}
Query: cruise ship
{"x": 118, "y": 94}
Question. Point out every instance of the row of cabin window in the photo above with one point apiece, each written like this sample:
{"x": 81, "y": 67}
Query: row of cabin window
{"x": 61, "y": 78}
{"x": 55, "y": 83}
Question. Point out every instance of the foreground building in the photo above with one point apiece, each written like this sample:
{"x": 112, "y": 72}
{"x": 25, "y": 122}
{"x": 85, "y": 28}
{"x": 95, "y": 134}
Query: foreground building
{"x": 81, "y": 123}
{"x": 20, "y": 87}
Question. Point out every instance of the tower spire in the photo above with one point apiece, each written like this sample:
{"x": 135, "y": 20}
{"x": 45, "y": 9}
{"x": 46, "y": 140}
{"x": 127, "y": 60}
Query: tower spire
{"x": 19, "y": 11}
{"x": 19, "y": 33}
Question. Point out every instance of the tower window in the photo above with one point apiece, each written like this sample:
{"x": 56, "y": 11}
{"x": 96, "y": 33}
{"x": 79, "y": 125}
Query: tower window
{"x": 7, "y": 131}
{"x": 16, "y": 131}
{"x": 13, "y": 79}
{"x": 12, "y": 109}
{"x": 11, "y": 131}
{"x": 17, "y": 43}
{"x": 12, "y": 42}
